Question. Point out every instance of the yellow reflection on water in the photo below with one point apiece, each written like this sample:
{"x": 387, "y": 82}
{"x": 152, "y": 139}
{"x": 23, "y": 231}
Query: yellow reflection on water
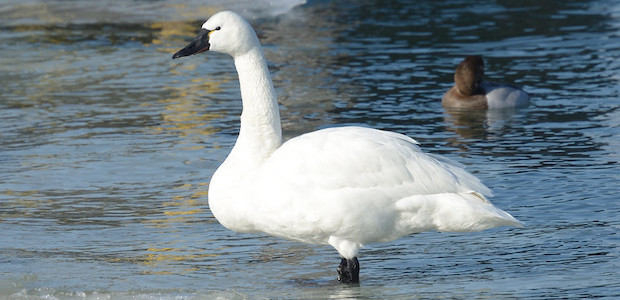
{"x": 189, "y": 116}
{"x": 15, "y": 201}
{"x": 186, "y": 114}
{"x": 39, "y": 11}
{"x": 170, "y": 33}
{"x": 162, "y": 260}
{"x": 187, "y": 207}
{"x": 183, "y": 208}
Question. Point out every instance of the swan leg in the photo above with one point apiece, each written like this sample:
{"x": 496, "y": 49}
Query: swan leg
{"x": 349, "y": 270}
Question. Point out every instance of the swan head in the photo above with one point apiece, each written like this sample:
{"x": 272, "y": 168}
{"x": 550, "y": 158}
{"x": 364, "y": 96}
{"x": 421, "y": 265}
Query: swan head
{"x": 468, "y": 75}
{"x": 225, "y": 32}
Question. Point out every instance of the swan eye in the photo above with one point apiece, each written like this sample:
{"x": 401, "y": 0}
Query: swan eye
{"x": 218, "y": 28}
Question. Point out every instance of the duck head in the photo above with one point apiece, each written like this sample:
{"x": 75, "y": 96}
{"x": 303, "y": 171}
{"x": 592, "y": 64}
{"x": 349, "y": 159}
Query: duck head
{"x": 468, "y": 75}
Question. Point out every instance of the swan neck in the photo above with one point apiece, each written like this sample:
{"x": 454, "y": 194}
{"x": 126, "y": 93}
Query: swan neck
{"x": 261, "y": 132}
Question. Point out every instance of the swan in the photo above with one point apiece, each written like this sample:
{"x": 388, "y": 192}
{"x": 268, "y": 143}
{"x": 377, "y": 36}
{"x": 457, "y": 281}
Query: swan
{"x": 344, "y": 186}
{"x": 471, "y": 92}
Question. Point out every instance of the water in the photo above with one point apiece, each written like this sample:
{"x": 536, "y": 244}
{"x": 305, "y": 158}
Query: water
{"x": 107, "y": 146}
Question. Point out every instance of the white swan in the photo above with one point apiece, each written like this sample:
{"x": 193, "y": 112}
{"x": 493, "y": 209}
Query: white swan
{"x": 471, "y": 92}
{"x": 344, "y": 187}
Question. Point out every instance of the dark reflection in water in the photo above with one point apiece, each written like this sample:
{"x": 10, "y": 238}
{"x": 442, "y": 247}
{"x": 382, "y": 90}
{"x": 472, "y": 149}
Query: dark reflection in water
{"x": 107, "y": 145}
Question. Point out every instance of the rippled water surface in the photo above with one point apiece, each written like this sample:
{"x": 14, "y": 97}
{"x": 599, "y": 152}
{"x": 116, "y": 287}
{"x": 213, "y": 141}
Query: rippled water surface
{"x": 107, "y": 145}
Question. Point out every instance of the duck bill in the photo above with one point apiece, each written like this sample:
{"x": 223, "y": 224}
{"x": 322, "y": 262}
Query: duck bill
{"x": 198, "y": 45}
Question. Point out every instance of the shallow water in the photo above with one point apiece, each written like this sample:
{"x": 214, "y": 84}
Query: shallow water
{"x": 107, "y": 146}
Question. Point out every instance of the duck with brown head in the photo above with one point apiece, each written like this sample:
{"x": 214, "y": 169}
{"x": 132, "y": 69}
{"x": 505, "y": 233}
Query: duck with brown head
{"x": 470, "y": 91}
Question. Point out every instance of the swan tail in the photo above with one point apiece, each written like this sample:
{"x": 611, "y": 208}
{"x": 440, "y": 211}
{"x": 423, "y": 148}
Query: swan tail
{"x": 453, "y": 212}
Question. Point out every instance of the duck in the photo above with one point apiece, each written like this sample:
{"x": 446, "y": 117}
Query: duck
{"x": 345, "y": 187}
{"x": 470, "y": 91}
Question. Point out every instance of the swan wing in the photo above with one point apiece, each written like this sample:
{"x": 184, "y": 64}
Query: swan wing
{"x": 364, "y": 158}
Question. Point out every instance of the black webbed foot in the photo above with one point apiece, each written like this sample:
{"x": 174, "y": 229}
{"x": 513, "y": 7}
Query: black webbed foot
{"x": 349, "y": 271}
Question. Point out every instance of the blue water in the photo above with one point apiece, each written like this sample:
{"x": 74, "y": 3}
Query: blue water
{"x": 107, "y": 146}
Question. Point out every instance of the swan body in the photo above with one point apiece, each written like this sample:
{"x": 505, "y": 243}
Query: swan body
{"x": 345, "y": 186}
{"x": 471, "y": 92}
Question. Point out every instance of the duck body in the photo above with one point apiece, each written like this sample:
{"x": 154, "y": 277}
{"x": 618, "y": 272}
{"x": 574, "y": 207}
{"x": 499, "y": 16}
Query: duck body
{"x": 470, "y": 91}
{"x": 342, "y": 186}
{"x": 501, "y": 95}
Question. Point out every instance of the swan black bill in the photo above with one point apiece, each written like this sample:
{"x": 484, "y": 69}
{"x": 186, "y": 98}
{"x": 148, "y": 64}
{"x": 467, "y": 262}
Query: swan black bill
{"x": 198, "y": 45}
